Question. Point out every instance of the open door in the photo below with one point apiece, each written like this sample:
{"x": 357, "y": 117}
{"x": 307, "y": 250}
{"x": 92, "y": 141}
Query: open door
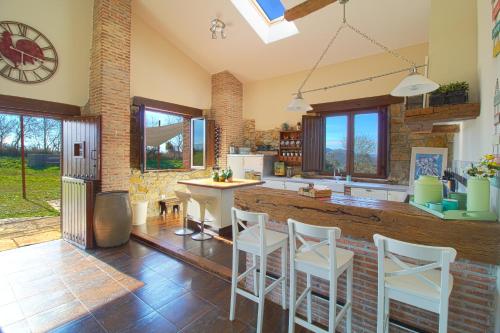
{"x": 81, "y": 171}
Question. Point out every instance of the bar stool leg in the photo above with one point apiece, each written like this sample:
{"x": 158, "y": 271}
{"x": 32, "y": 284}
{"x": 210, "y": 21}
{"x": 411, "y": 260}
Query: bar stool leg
{"x": 293, "y": 298}
{"x": 255, "y": 281}
{"x": 201, "y": 236}
{"x": 348, "y": 320}
{"x": 332, "y": 309}
{"x": 262, "y": 293}
{"x": 386, "y": 313}
{"x": 184, "y": 231}
{"x": 283, "y": 274}
{"x": 234, "y": 283}
{"x": 309, "y": 300}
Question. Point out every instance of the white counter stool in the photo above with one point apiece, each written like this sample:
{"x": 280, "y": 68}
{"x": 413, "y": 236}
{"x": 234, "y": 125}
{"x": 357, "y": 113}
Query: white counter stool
{"x": 260, "y": 242}
{"x": 184, "y": 198}
{"x": 427, "y": 286}
{"x": 324, "y": 260}
{"x": 203, "y": 202}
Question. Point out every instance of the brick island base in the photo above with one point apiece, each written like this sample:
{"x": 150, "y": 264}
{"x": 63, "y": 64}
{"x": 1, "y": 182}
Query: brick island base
{"x": 472, "y": 307}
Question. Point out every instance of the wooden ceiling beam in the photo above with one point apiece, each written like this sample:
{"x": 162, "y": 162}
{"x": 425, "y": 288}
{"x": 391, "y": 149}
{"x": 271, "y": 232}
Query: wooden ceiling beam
{"x": 305, "y": 8}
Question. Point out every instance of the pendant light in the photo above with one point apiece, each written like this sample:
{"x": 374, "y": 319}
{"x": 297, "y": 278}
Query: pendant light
{"x": 414, "y": 84}
{"x": 298, "y": 104}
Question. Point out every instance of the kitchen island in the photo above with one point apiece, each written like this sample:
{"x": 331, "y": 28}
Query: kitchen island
{"x": 473, "y": 300}
{"x": 219, "y": 211}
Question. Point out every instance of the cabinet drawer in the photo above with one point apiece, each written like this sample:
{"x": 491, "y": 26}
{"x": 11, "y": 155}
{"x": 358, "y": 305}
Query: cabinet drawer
{"x": 396, "y": 196}
{"x": 369, "y": 193}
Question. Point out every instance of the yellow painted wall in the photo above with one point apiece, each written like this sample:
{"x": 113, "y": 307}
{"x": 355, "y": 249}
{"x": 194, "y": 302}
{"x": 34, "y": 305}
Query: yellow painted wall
{"x": 68, "y": 25}
{"x": 476, "y": 136}
{"x": 160, "y": 71}
{"x": 453, "y": 43}
{"x": 265, "y": 101}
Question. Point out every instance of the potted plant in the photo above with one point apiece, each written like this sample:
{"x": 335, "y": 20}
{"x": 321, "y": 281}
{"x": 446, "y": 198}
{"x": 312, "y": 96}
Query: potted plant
{"x": 222, "y": 176}
{"x": 478, "y": 184}
{"x": 215, "y": 176}
{"x": 438, "y": 97}
{"x": 229, "y": 175}
{"x": 457, "y": 93}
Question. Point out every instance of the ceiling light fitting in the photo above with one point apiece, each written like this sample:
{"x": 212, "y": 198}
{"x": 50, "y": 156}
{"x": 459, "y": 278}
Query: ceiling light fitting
{"x": 217, "y": 27}
{"x": 414, "y": 84}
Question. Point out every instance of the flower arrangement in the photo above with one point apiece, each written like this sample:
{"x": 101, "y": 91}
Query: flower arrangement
{"x": 486, "y": 168}
{"x": 223, "y": 175}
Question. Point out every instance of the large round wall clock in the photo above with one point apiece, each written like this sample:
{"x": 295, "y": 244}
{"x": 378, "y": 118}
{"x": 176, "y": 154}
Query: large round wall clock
{"x": 26, "y": 55}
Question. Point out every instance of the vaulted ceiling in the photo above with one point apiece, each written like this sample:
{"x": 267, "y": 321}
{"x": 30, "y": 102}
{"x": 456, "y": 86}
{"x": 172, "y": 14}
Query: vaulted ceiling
{"x": 185, "y": 23}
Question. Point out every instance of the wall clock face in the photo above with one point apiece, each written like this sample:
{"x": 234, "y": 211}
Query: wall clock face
{"x": 26, "y": 55}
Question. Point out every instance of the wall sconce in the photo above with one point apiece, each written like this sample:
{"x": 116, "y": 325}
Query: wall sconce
{"x": 217, "y": 26}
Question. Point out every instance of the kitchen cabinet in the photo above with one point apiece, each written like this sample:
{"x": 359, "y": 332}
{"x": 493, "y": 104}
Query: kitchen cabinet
{"x": 257, "y": 163}
{"x": 275, "y": 184}
{"x": 292, "y": 186}
{"x": 369, "y": 193}
{"x": 398, "y": 196}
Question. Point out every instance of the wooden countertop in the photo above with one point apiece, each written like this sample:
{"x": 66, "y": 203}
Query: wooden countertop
{"x": 208, "y": 182}
{"x": 362, "y": 218}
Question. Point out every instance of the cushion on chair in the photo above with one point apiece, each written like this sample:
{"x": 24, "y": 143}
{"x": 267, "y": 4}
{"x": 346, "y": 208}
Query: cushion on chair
{"x": 312, "y": 259}
{"x": 273, "y": 238}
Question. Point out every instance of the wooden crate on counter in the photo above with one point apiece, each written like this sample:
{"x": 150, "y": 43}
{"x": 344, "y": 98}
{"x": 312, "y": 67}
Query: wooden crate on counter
{"x": 314, "y": 192}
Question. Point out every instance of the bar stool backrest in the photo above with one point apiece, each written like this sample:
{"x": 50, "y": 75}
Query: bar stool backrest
{"x": 239, "y": 216}
{"x": 326, "y": 236}
{"x": 436, "y": 258}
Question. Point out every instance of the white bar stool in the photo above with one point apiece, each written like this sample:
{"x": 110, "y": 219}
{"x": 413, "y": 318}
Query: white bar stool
{"x": 203, "y": 202}
{"x": 324, "y": 260}
{"x": 184, "y": 198}
{"x": 427, "y": 286}
{"x": 258, "y": 241}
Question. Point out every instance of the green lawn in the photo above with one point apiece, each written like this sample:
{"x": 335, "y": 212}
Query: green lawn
{"x": 41, "y": 185}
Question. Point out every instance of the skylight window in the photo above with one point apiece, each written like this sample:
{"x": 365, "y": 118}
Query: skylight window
{"x": 266, "y": 19}
{"x": 273, "y": 9}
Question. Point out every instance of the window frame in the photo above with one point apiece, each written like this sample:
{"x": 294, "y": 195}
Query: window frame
{"x": 382, "y": 149}
{"x": 198, "y": 167}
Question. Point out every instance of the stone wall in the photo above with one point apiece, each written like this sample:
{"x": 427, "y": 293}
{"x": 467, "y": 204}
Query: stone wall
{"x": 109, "y": 90}
{"x": 402, "y": 140}
{"x": 253, "y": 138}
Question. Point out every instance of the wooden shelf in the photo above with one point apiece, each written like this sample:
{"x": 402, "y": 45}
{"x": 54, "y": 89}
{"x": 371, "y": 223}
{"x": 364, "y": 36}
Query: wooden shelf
{"x": 290, "y": 148}
{"x": 422, "y": 120}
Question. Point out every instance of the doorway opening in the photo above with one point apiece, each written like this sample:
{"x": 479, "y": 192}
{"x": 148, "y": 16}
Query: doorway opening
{"x": 30, "y": 180}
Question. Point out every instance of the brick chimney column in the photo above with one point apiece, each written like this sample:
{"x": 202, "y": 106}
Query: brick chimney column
{"x": 109, "y": 94}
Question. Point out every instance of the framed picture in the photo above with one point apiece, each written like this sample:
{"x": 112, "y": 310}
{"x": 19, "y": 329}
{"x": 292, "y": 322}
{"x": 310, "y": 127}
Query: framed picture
{"x": 427, "y": 161}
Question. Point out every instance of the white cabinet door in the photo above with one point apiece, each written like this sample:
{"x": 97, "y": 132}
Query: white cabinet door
{"x": 398, "y": 196}
{"x": 253, "y": 163}
{"x": 292, "y": 186}
{"x": 369, "y": 193}
{"x": 276, "y": 184}
{"x": 236, "y": 164}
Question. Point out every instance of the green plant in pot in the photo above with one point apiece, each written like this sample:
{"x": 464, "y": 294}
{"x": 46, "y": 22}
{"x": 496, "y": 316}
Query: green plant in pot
{"x": 457, "y": 93}
{"x": 215, "y": 176}
{"x": 222, "y": 176}
{"x": 229, "y": 175}
{"x": 478, "y": 184}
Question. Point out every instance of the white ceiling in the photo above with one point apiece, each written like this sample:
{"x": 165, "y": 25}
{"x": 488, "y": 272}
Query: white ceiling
{"x": 396, "y": 23}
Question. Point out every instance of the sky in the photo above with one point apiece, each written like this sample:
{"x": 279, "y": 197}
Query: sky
{"x": 272, "y": 8}
{"x": 336, "y": 128}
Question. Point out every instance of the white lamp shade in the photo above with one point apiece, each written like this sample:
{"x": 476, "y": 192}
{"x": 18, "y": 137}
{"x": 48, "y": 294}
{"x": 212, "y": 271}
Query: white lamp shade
{"x": 298, "y": 104}
{"x": 413, "y": 85}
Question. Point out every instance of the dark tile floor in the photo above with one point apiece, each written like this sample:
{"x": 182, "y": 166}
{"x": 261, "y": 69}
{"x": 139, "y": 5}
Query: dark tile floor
{"x": 56, "y": 287}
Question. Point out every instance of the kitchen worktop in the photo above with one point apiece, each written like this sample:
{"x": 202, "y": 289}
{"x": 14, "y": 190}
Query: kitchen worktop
{"x": 209, "y": 183}
{"x": 362, "y": 218}
{"x": 324, "y": 181}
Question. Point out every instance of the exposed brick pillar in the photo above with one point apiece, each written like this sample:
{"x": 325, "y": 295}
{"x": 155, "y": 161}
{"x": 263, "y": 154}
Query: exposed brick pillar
{"x": 110, "y": 88}
{"x": 227, "y": 110}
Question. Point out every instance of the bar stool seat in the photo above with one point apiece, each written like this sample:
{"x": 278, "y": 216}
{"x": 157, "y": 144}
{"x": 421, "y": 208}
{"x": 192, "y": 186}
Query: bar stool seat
{"x": 203, "y": 202}
{"x": 249, "y": 243}
{"x": 410, "y": 284}
{"x": 184, "y": 198}
{"x": 308, "y": 261}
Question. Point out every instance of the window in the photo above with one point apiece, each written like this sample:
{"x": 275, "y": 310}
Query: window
{"x": 164, "y": 140}
{"x": 198, "y": 143}
{"x": 266, "y": 19}
{"x": 355, "y": 143}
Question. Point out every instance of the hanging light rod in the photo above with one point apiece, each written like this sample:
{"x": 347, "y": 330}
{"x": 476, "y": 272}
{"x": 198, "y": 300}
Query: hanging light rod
{"x": 370, "y": 78}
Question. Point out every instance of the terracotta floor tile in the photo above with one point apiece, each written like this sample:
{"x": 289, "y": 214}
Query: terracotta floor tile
{"x": 21, "y": 326}
{"x": 122, "y": 313}
{"x": 152, "y": 323}
{"x": 87, "y": 324}
{"x": 57, "y": 316}
{"x": 159, "y": 293}
{"x": 30, "y": 288}
{"x": 185, "y": 310}
{"x": 218, "y": 322}
{"x": 10, "y": 313}
{"x": 7, "y": 294}
{"x": 96, "y": 296}
{"x": 45, "y": 301}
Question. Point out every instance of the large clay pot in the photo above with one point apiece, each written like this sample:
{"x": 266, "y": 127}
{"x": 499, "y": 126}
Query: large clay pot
{"x": 112, "y": 218}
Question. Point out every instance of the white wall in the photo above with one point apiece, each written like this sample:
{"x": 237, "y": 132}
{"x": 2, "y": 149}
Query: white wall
{"x": 160, "y": 71}
{"x": 68, "y": 25}
{"x": 265, "y": 101}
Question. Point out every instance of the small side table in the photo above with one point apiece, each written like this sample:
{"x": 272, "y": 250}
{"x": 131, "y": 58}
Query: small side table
{"x": 173, "y": 202}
